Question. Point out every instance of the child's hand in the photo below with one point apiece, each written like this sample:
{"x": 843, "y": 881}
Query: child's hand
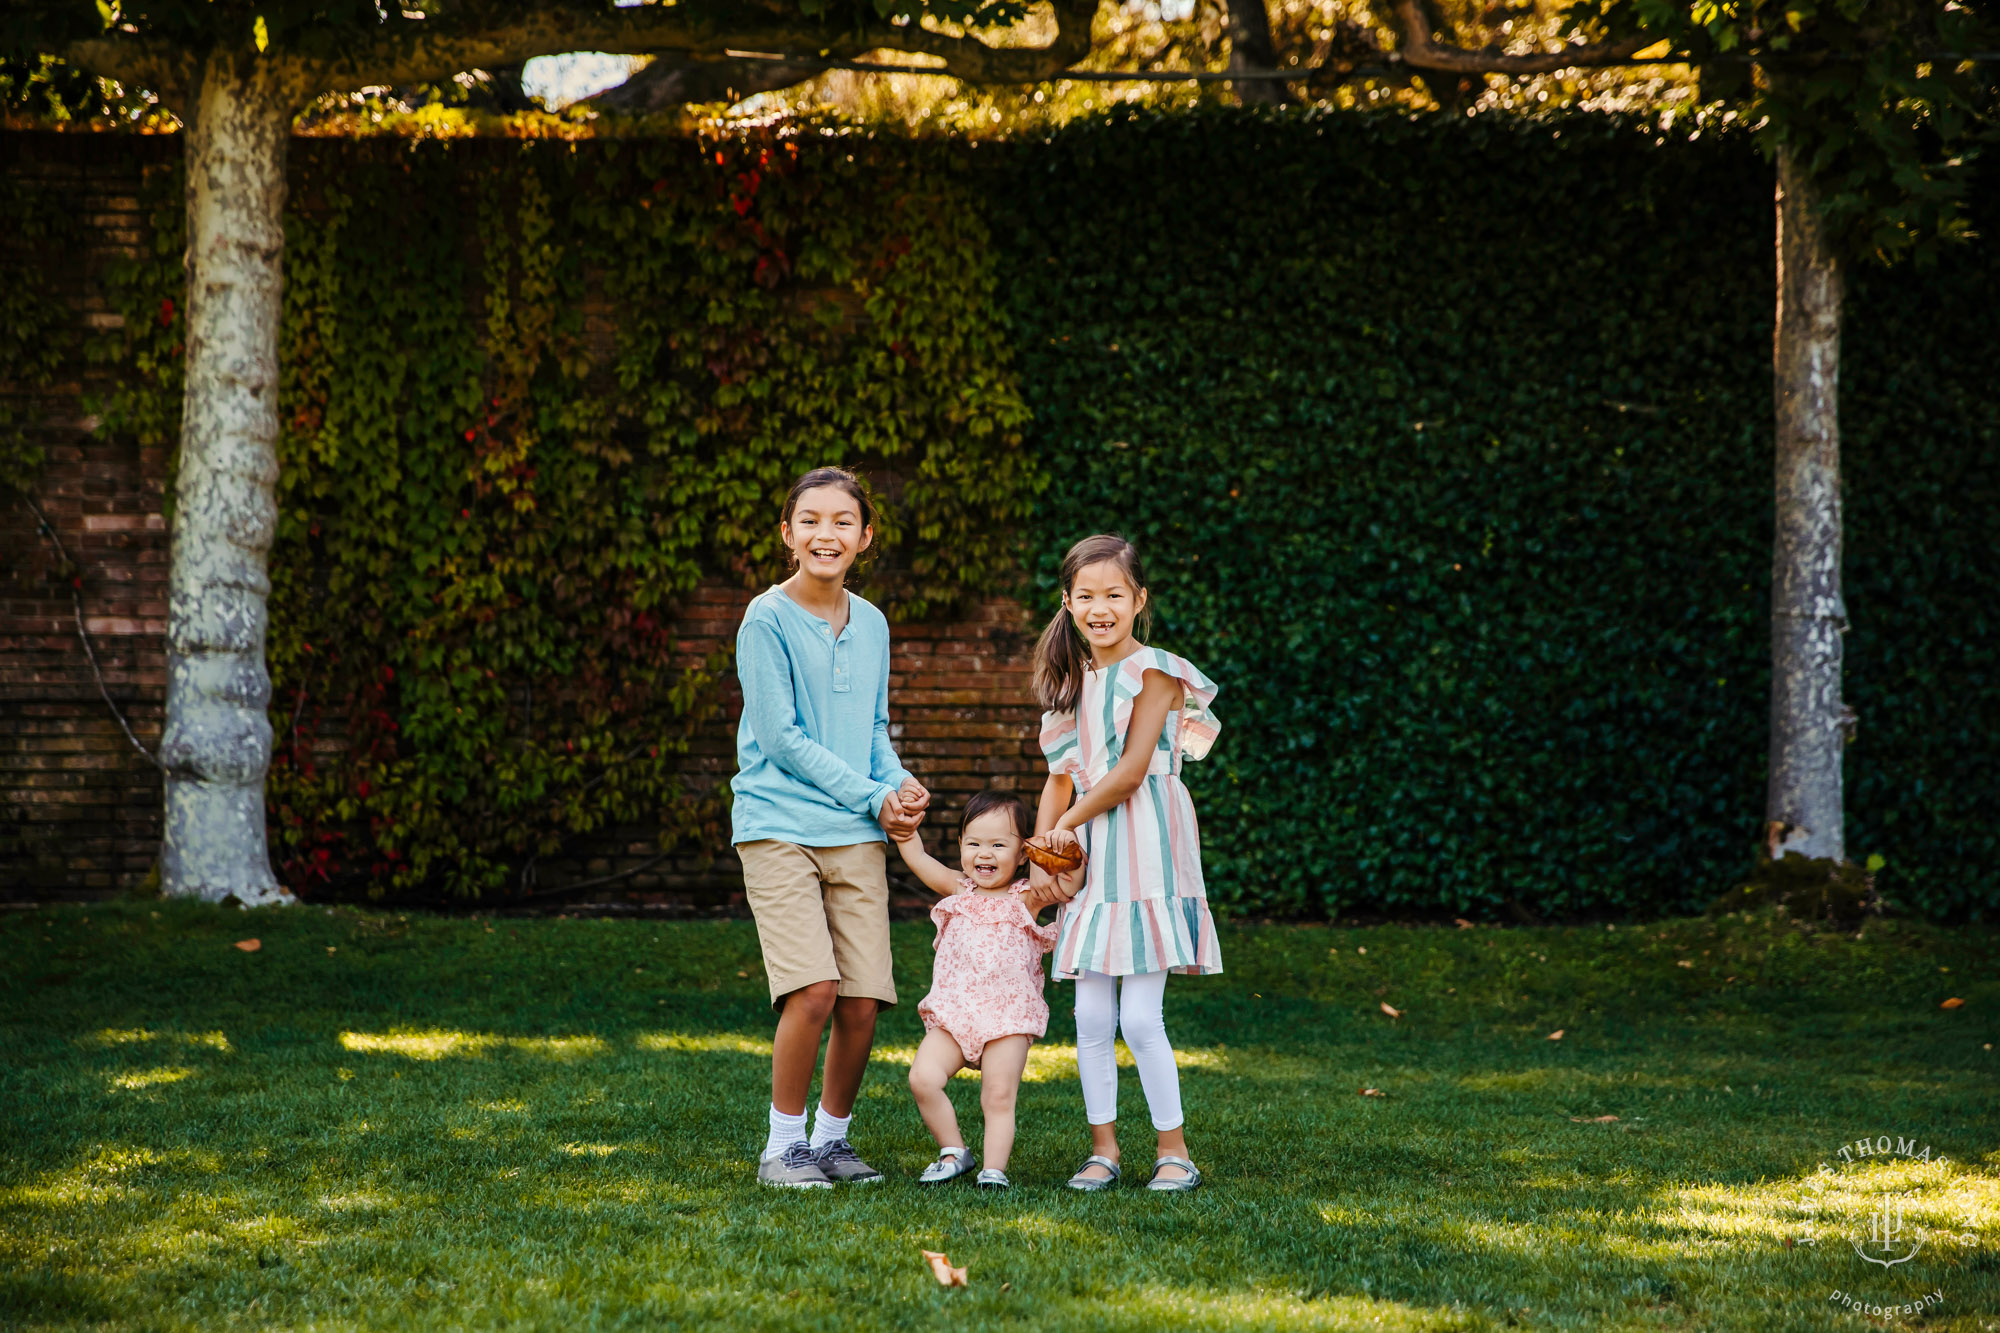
{"x": 897, "y": 822}
{"x": 914, "y": 797}
{"x": 1064, "y": 887}
{"x": 1059, "y": 839}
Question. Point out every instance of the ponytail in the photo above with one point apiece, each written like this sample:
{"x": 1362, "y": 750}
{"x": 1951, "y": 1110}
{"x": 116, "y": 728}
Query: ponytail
{"x": 1059, "y": 664}
{"x": 1061, "y": 653}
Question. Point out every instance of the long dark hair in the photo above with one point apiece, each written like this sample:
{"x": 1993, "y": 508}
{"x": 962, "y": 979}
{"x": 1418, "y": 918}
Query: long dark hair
{"x": 1062, "y": 652}
{"x": 843, "y": 479}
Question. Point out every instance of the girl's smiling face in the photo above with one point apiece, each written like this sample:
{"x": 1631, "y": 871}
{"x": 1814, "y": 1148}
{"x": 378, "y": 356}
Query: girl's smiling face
{"x": 989, "y": 850}
{"x": 1104, "y": 605}
{"x": 826, "y": 533}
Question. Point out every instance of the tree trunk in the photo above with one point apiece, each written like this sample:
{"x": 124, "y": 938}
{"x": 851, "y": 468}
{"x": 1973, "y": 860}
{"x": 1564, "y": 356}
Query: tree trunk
{"x": 1250, "y": 47}
{"x": 217, "y": 745}
{"x": 1808, "y": 721}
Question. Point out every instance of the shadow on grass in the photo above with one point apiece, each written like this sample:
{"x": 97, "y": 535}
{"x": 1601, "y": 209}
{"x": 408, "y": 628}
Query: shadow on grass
{"x": 395, "y": 1139}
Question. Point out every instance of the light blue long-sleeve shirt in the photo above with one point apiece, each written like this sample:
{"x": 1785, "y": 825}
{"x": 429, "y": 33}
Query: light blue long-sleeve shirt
{"x": 813, "y": 758}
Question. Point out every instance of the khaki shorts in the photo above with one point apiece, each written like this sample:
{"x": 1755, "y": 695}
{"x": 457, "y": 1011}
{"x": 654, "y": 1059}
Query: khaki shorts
{"x": 822, "y": 915}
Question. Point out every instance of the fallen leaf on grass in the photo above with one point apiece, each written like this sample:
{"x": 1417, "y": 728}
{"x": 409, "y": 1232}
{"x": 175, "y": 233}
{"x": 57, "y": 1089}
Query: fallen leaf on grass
{"x": 1557, "y": 1035}
{"x": 1391, "y": 1010}
{"x": 1682, "y": 962}
{"x": 1462, "y": 923}
{"x": 1953, "y": 1003}
{"x": 249, "y": 946}
{"x": 1373, "y": 1092}
{"x": 1593, "y": 1119}
{"x": 942, "y": 1270}
{"x": 742, "y": 974}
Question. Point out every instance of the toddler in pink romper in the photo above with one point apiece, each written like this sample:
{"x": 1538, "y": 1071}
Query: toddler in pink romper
{"x": 985, "y": 1006}
{"x": 987, "y": 980}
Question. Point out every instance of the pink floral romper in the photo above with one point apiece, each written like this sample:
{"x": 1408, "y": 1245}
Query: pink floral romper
{"x": 987, "y": 980}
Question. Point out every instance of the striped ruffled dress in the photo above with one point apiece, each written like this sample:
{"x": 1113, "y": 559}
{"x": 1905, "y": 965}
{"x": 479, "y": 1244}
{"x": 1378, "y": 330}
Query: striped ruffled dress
{"x": 1143, "y": 907}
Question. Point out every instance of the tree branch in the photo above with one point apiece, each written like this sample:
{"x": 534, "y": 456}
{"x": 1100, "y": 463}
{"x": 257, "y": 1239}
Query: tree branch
{"x": 424, "y": 50}
{"x": 171, "y": 72}
{"x": 1420, "y": 50}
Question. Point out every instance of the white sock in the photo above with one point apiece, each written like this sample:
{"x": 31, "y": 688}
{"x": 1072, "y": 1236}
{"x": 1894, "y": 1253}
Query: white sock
{"x": 785, "y": 1131}
{"x": 827, "y": 1127}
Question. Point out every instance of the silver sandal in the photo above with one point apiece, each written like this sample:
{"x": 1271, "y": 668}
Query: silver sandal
{"x": 951, "y": 1163}
{"x": 993, "y": 1178}
{"x": 1091, "y": 1184}
{"x": 1175, "y": 1184}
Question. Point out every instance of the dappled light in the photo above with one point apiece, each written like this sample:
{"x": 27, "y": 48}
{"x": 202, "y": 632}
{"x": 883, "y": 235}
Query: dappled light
{"x": 150, "y": 1078}
{"x": 433, "y": 1149}
{"x": 439, "y": 1045}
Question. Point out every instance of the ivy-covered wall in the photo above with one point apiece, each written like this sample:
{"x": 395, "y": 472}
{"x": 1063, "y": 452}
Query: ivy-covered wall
{"x": 1449, "y": 446}
{"x": 1447, "y": 443}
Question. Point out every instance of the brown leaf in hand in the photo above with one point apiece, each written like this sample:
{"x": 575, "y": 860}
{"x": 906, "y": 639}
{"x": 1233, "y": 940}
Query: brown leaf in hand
{"x": 249, "y": 946}
{"x": 1557, "y": 1035}
{"x": 1053, "y": 861}
{"x": 1593, "y": 1119}
{"x": 1391, "y": 1010}
{"x": 1373, "y": 1092}
{"x": 1953, "y": 1003}
{"x": 942, "y": 1270}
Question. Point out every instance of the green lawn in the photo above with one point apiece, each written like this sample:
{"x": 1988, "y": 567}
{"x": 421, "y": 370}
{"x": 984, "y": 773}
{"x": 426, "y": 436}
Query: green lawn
{"x": 379, "y": 1122}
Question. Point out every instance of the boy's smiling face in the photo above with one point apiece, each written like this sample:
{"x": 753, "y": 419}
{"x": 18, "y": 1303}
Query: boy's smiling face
{"x": 826, "y": 533}
{"x": 1104, "y": 605}
{"x": 989, "y": 850}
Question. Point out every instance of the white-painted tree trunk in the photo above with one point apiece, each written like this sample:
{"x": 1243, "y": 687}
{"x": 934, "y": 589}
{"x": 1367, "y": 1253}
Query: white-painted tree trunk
{"x": 1808, "y": 617}
{"x": 217, "y": 745}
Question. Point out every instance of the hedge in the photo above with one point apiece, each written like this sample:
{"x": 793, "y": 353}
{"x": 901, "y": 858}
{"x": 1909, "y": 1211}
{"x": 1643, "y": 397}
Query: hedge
{"x": 1448, "y": 444}
{"x": 1447, "y": 441}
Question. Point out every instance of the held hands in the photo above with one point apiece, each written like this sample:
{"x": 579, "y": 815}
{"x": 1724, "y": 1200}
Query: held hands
{"x": 896, "y": 817}
{"x": 915, "y": 799}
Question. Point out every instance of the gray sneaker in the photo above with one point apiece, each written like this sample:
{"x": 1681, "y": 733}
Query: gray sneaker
{"x": 794, "y": 1168}
{"x": 840, "y": 1162}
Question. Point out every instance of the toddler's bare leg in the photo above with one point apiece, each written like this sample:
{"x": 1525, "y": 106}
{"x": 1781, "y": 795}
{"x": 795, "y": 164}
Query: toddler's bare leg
{"x": 938, "y": 1058}
{"x": 1000, "y": 1066}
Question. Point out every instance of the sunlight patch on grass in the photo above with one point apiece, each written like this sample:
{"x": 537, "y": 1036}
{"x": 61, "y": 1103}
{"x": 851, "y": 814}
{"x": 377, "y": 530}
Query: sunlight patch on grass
{"x": 150, "y": 1078}
{"x": 590, "y": 1149}
{"x": 733, "y": 1042}
{"x": 107, "y": 1037}
{"x": 440, "y": 1044}
{"x": 1262, "y": 1310}
{"x": 1054, "y": 1061}
{"x": 511, "y": 1106}
{"x": 356, "y": 1201}
{"x": 418, "y": 1045}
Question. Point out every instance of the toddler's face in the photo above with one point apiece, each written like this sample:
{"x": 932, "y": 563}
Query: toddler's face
{"x": 989, "y": 851}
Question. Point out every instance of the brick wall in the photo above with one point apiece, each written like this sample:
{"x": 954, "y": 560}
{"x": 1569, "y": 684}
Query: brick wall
{"x": 80, "y": 809}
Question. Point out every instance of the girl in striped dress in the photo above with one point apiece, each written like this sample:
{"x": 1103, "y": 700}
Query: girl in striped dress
{"x": 1121, "y": 719}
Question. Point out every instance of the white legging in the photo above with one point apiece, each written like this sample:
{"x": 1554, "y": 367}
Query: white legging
{"x": 1101, "y": 1013}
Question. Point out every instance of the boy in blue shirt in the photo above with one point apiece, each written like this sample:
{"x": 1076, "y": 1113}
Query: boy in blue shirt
{"x": 818, "y": 791}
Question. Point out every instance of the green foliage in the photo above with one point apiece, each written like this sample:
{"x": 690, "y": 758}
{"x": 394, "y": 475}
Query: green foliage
{"x": 1448, "y": 447}
{"x": 491, "y": 508}
{"x": 1868, "y": 92}
{"x": 35, "y": 321}
{"x": 1448, "y": 443}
